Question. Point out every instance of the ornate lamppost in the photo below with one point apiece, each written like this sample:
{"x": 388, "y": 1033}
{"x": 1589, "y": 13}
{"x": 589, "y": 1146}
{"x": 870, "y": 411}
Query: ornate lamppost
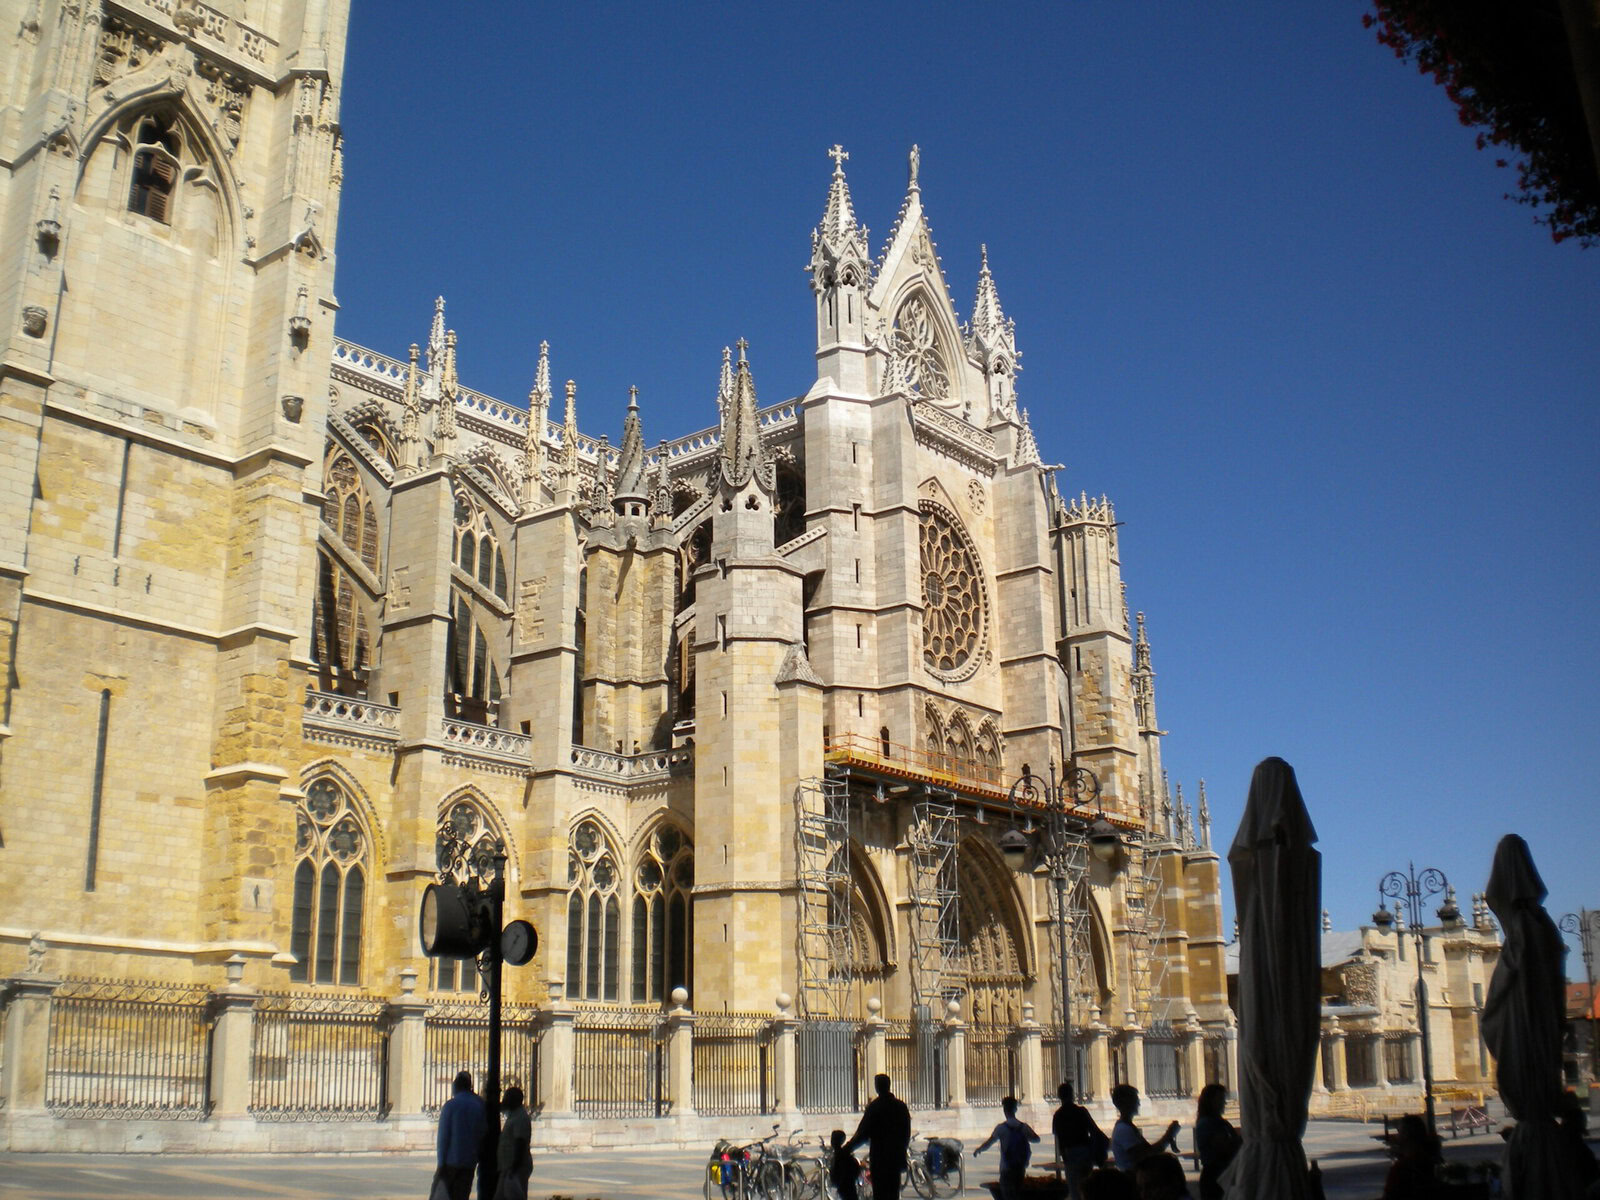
{"x": 1077, "y": 788}
{"x": 1413, "y": 889}
{"x": 1585, "y": 926}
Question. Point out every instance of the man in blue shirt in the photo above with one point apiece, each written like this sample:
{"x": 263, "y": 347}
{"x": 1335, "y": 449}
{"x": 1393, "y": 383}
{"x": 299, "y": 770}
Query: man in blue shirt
{"x": 1014, "y": 1137}
{"x": 462, "y": 1124}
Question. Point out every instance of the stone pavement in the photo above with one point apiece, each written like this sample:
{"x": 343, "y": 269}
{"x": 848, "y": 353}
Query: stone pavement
{"x": 1353, "y": 1166}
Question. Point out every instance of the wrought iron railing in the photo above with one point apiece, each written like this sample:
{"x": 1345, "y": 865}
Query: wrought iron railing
{"x": 915, "y": 1061}
{"x": 1059, "y": 1068}
{"x": 828, "y": 1067}
{"x": 1397, "y": 1056}
{"x": 732, "y": 1064}
{"x": 991, "y": 1064}
{"x": 1164, "y": 1074}
{"x": 619, "y": 1066}
{"x": 457, "y": 1039}
{"x": 128, "y": 1049}
{"x": 319, "y": 1057}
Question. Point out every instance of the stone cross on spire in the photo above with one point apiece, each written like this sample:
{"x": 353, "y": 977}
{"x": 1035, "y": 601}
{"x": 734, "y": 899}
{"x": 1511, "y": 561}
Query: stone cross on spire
{"x": 838, "y": 154}
{"x": 743, "y": 455}
{"x": 839, "y": 252}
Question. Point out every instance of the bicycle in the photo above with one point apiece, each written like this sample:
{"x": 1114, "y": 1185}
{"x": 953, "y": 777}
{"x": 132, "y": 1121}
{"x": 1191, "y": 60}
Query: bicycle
{"x": 940, "y": 1170}
{"x": 750, "y": 1171}
{"x": 795, "y": 1170}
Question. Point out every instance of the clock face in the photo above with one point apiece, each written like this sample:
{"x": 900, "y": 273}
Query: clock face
{"x": 518, "y": 941}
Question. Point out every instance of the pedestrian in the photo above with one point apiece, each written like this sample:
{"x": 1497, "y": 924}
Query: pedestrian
{"x": 512, "y": 1150}
{"x": 1080, "y": 1143}
{"x": 1128, "y": 1145}
{"x": 844, "y": 1172}
{"x": 1014, "y": 1136}
{"x": 886, "y": 1128}
{"x": 462, "y": 1125}
{"x": 1216, "y": 1141}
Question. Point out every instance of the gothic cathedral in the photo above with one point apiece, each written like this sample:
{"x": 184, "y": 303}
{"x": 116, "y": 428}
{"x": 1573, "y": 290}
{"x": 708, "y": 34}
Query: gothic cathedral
{"x": 836, "y": 699}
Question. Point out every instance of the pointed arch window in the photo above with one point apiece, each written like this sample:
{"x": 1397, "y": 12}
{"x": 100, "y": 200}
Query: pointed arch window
{"x": 341, "y": 642}
{"x": 474, "y": 547}
{"x": 789, "y": 506}
{"x": 471, "y": 825}
{"x": 988, "y": 754}
{"x": 594, "y": 914}
{"x": 916, "y": 352}
{"x": 330, "y": 888}
{"x": 663, "y": 939}
{"x": 157, "y": 146}
{"x": 473, "y": 684}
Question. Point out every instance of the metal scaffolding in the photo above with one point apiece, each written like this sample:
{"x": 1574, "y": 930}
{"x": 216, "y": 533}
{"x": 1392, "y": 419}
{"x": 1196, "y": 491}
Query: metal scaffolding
{"x": 1147, "y": 927}
{"x": 935, "y": 937}
{"x": 822, "y": 845}
{"x": 1069, "y": 865}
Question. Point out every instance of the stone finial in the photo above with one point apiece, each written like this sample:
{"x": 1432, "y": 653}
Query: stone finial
{"x": 839, "y": 252}
{"x": 1327, "y": 921}
{"x": 444, "y": 417}
{"x": 952, "y": 1010}
{"x": 784, "y": 1001}
{"x": 874, "y": 1006}
{"x": 436, "y": 337}
{"x": 411, "y": 418}
{"x": 680, "y": 997}
{"x": 661, "y": 488}
{"x": 555, "y": 989}
{"x": 725, "y": 382}
{"x": 1205, "y": 819}
{"x": 233, "y": 967}
{"x": 992, "y": 332}
{"x": 569, "y": 441}
{"x": 1027, "y": 445}
{"x": 408, "y": 981}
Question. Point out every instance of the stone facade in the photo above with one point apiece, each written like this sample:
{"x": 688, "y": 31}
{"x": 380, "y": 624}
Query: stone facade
{"x": 277, "y": 608}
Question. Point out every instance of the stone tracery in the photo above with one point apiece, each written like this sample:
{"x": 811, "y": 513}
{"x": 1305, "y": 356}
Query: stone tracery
{"x": 955, "y": 602}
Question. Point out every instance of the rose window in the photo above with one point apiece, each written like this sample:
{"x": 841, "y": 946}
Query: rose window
{"x": 954, "y": 603}
{"x": 916, "y": 349}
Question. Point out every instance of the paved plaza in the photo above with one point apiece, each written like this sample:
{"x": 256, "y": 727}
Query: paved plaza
{"x": 1352, "y": 1160}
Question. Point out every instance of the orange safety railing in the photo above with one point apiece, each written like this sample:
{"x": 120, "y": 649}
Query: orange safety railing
{"x": 967, "y": 777}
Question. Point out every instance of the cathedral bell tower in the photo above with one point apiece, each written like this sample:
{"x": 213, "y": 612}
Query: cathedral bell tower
{"x": 747, "y": 634}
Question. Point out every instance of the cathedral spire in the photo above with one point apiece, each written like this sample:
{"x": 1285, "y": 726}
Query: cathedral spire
{"x": 992, "y": 338}
{"x": 411, "y": 419}
{"x": 533, "y": 437}
{"x": 839, "y": 249}
{"x": 444, "y": 417}
{"x": 725, "y": 382}
{"x": 630, "y": 488}
{"x": 743, "y": 455}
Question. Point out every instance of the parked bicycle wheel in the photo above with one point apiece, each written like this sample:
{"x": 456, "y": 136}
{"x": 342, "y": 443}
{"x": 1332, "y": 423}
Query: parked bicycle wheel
{"x": 772, "y": 1183}
{"x": 917, "y": 1176}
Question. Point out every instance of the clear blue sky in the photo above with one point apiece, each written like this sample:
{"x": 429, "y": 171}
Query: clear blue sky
{"x": 1270, "y": 299}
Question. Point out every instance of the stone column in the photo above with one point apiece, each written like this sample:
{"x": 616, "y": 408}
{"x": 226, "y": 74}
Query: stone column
{"x": 27, "y": 1044}
{"x": 234, "y": 1005}
{"x": 556, "y": 1053}
{"x": 680, "y": 1054}
{"x": 785, "y": 1064}
{"x": 1414, "y": 1055}
{"x": 875, "y": 1043}
{"x": 1194, "y": 1053}
{"x": 954, "y": 1035}
{"x": 1029, "y": 1040}
{"x": 408, "y": 1047}
{"x": 1232, "y": 1036}
{"x": 1319, "y": 1085}
{"x": 1133, "y": 1054}
{"x": 1099, "y": 1081}
{"x": 1337, "y": 1060}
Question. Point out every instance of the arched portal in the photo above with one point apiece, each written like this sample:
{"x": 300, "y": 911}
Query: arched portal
{"x": 989, "y": 963}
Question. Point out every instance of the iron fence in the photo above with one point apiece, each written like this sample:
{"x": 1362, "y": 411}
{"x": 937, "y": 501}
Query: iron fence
{"x": 1397, "y": 1057}
{"x": 991, "y": 1064}
{"x": 915, "y": 1057}
{"x": 128, "y": 1049}
{"x": 319, "y": 1057}
{"x": 1215, "y": 1054}
{"x": 1059, "y": 1068}
{"x": 619, "y": 1066}
{"x": 732, "y": 1070}
{"x": 1164, "y": 1073}
{"x": 828, "y": 1066}
{"x": 457, "y": 1039}
{"x": 1361, "y": 1059}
